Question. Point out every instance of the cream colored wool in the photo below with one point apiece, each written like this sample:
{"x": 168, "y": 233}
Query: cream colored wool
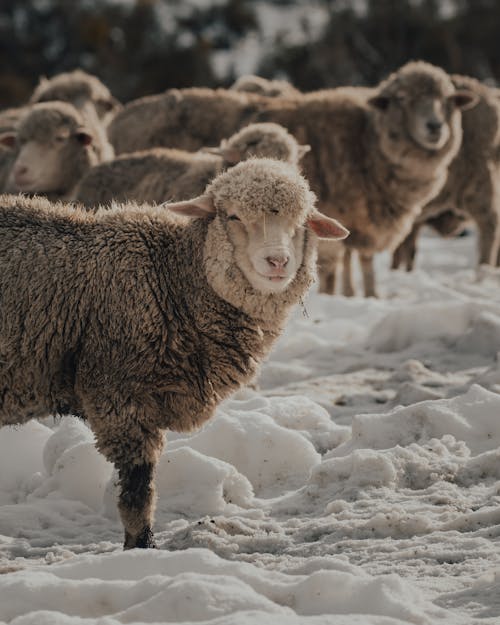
{"x": 42, "y": 124}
{"x": 473, "y": 182}
{"x": 364, "y": 166}
{"x": 138, "y": 320}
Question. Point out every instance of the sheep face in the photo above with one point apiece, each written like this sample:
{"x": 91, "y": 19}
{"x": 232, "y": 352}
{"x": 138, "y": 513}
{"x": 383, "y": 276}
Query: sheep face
{"x": 264, "y": 140}
{"x": 419, "y": 105}
{"x": 268, "y": 252}
{"x": 53, "y": 150}
{"x": 259, "y": 212}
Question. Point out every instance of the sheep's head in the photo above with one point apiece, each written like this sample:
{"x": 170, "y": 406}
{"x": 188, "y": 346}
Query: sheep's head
{"x": 53, "y": 149}
{"x": 419, "y": 103}
{"x": 79, "y": 89}
{"x": 261, "y": 239}
{"x": 264, "y": 140}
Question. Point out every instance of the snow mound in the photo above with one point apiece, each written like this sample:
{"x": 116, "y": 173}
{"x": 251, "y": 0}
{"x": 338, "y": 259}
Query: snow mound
{"x": 271, "y": 457}
{"x": 196, "y": 585}
{"x": 472, "y": 418}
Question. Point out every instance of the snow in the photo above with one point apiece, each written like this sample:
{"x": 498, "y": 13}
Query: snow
{"x": 356, "y": 483}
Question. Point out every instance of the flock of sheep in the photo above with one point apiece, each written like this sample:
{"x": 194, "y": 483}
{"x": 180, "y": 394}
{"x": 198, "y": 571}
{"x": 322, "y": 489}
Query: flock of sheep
{"x": 177, "y": 232}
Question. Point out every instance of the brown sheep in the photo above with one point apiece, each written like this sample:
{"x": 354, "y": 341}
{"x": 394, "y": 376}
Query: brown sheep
{"x": 374, "y": 161}
{"x": 164, "y": 174}
{"x": 80, "y": 89}
{"x": 52, "y": 147}
{"x": 473, "y": 183}
{"x": 139, "y": 321}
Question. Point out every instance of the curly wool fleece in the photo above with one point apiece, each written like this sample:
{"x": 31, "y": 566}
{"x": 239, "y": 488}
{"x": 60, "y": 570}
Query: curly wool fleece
{"x": 262, "y": 187}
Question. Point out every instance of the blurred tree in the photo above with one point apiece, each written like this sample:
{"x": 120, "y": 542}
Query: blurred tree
{"x": 139, "y": 47}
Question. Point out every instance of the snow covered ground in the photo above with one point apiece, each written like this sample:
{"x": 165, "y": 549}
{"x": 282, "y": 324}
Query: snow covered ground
{"x": 357, "y": 484}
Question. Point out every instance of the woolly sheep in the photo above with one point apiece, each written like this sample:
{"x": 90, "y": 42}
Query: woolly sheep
{"x": 473, "y": 183}
{"x": 263, "y": 86}
{"x": 80, "y": 89}
{"x": 162, "y": 173}
{"x": 52, "y": 149}
{"x": 374, "y": 161}
{"x": 141, "y": 320}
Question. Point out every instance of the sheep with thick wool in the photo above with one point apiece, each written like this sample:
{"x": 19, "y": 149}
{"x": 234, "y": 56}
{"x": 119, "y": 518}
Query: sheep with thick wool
{"x": 376, "y": 156}
{"x": 169, "y": 174}
{"x": 51, "y": 149}
{"x": 473, "y": 184}
{"x": 139, "y": 320}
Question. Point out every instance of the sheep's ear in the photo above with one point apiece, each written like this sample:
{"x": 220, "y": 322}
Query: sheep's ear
{"x": 110, "y": 104}
{"x": 303, "y": 150}
{"x": 201, "y": 206}
{"x": 380, "y": 102}
{"x": 464, "y": 99}
{"x": 84, "y": 137}
{"x": 326, "y": 227}
{"x": 230, "y": 155}
{"x": 8, "y": 139}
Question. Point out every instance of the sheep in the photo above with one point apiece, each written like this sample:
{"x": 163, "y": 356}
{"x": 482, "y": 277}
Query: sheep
{"x": 270, "y": 88}
{"x": 139, "y": 320}
{"x": 449, "y": 223}
{"x": 162, "y": 173}
{"x": 473, "y": 183}
{"x": 80, "y": 89}
{"x": 52, "y": 148}
{"x": 377, "y": 155}
{"x": 87, "y": 94}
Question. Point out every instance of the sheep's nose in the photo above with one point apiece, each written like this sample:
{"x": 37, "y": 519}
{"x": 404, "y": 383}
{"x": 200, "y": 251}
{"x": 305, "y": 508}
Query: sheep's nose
{"x": 434, "y": 126}
{"x": 278, "y": 261}
{"x": 20, "y": 170}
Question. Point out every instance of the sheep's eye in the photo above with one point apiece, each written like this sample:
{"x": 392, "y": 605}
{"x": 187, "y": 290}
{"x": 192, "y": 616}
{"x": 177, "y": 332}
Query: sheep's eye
{"x": 61, "y": 139}
{"x": 234, "y": 218}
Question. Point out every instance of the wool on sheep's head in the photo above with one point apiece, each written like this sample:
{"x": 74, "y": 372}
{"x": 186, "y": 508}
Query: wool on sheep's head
{"x": 263, "y": 140}
{"x": 78, "y": 88}
{"x": 54, "y": 147}
{"x": 260, "y": 249}
{"x": 417, "y": 112}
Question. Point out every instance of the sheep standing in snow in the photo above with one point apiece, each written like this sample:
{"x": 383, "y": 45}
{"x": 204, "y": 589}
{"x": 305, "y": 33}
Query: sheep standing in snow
{"x": 376, "y": 156}
{"x": 140, "y": 320}
{"x": 52, "y": 148}
{"x": 473, "y": 183}
{"x": 162, "y": 173}
{"x": 263, "y": 86}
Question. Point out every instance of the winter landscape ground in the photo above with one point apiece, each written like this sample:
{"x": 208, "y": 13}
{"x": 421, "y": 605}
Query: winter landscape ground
{"x": 357, "y": 484}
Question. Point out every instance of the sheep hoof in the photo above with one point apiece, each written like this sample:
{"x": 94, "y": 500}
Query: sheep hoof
{"x": 144, "y": 540}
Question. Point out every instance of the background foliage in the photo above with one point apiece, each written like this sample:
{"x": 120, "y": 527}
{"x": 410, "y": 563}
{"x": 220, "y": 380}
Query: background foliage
{"x": 139, "y": 47}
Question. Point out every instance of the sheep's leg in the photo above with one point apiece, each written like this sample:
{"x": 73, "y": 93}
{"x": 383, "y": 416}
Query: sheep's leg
{"x": 406, "y": 250}
{"x": 327, "y": 282}
{"x": 347, "y": 285}
{"x": 135, "y": 451}
{"x": 368, "y": 272}
{"x": 136, "y": 504}
{"x": 488, "y": 225}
